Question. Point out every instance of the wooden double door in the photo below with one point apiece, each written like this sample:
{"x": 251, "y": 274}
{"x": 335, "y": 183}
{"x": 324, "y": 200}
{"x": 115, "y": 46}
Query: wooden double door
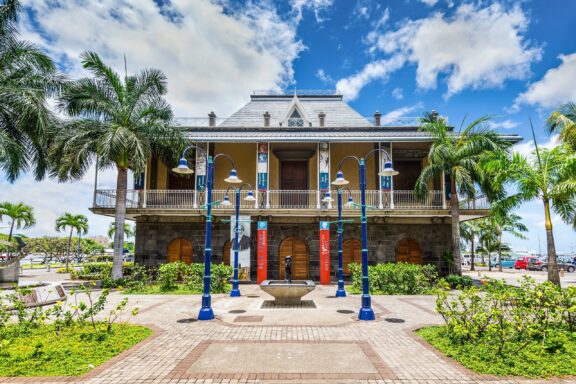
{"x": 408, "y": 251}
{"x": 351, "y": 253}
{"x": 180, "y": 249}
{"x": 297, "y": 248}
{"x": 294, "y": 184}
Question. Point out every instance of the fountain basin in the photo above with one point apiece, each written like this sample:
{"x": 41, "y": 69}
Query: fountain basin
{"x": 286, "y": 293}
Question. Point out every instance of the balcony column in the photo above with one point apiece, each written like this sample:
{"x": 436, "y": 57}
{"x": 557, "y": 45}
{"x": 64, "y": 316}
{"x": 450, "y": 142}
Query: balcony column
{"x": 200, "y": 171}
{"x": 145, "y": 186}
{"x": 262, "y": 174}
{"x": 386, "y": 182}
{"x": 323, "y": 172}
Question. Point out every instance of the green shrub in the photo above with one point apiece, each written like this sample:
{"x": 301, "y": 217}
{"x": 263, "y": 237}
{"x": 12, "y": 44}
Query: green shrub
{"x": 99, "y": 271}
{"x": 63, "y": 270}
{"x": 396, "y": 278}
{"x": 459, "y": 282}
{"x": 192, "y": 275}
{"x": 169, "y": 273}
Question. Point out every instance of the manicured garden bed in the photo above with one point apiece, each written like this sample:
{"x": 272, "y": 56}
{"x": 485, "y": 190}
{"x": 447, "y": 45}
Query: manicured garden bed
{"x": 72, "y": 351}
{"x": 178, "y": 289}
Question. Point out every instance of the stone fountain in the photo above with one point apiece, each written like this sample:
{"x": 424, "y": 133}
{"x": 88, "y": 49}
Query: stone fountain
{"x": 288, "y": 292}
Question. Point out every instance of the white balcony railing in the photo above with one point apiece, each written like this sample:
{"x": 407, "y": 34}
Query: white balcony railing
{"x": 277, "y": 199}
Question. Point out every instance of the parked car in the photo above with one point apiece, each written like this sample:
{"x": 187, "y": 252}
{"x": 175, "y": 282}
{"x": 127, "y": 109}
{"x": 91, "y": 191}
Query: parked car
{"x": 522, "y": 261}
{"x": 507, "y": 262}
{"x": 542, "y": 265}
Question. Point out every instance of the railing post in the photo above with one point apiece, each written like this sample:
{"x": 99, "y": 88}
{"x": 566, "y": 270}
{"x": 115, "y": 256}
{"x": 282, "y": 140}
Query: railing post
{"x": 95, "y": 182}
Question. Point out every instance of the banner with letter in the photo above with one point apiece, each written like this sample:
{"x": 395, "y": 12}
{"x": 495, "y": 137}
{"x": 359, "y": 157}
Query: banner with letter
{"x": 262, "y": 167}
{"x": 324, "y": 252}
{"x": 262, "y": 251}
{"x": 323, "y": 167}
{"x": 385, "y": 181}
{"x": 201, "y": 167}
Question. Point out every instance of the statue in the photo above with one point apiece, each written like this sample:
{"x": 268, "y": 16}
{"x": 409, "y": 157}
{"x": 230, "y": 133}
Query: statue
{"x": 288, "y": 268}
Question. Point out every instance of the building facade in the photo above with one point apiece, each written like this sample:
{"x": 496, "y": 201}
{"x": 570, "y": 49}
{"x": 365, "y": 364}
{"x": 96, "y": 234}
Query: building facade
{"x": 288, "y": 148}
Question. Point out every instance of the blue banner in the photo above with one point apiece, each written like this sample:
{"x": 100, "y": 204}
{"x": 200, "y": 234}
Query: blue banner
{"x": 200, "y": 182}
{"x": 262, "y": 182}
{"x": 139, "y": 180}
{"x": 262, "y": 225}
{"x": 386, "y": 182}
{"x": 324, "y": 181}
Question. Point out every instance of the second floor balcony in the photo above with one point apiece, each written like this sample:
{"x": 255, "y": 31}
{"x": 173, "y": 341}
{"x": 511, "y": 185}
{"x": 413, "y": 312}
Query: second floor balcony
{"x": 282, "y": 201}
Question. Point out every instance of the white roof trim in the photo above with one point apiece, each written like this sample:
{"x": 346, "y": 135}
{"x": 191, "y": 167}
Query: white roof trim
{"x": 295, "y": 105}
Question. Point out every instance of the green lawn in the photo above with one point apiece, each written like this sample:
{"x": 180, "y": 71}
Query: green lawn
{"x": 76, "y": 351}
{"x": 532, "y": 360}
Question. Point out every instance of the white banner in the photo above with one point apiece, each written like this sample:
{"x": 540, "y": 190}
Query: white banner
{"x": 244, "y": 244}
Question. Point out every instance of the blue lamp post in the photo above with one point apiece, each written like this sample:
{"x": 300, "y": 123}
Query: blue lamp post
{"x": 206, "y": 312}
{"x": 249, "y": 197}
{"x": 340, "y": 292}
{"x": 366, "y": 312}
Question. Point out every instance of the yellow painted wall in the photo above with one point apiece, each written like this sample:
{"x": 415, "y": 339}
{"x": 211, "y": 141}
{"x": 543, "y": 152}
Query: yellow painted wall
{"x": 274, "y": 171}
{"x": 350, "y": 168}
{"x": 244, "y": 156}
{"x": 162, "y": 175}
{"x": 313, "y": 172}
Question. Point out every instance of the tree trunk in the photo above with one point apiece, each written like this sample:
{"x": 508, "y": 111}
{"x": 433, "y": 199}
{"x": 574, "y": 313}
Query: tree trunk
{"x": 69, "y": 247}
{"x": 120, "y": 217}
{"x": 455, "y": 212}
{"x": 472, "y": 254}
{"x": 499, "y": 251}
{"x": 553, "y": 275}
{"x": 10, "y": 239}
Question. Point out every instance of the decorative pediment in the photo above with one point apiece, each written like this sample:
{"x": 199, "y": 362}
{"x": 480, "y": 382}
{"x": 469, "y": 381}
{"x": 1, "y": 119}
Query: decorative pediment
{"x": 295, "y": 116}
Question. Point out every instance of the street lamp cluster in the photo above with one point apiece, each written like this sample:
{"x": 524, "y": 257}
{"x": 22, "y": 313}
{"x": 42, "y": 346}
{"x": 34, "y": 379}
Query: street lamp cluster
{"x": 206, "y": 312}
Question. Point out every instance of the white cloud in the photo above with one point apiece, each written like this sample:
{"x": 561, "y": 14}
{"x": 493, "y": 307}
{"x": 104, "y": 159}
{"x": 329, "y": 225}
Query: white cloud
{"x": 555, "y": 88}
{"x": 527, "y": 147}
{"x": 505, "y": 124}
{"x": 316, "y": 6}
{"x": 351, "y": 86}
{"x": 475, "y": 48}
{"x": 398, "y": 93}
{"x": 213, "y": 59}
{"x": 396, "y": 114}
{"x": 429, "y": 3}
{"x": 324, "y": 77}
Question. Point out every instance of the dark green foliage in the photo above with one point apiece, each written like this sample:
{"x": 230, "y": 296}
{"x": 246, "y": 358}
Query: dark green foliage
{"x": 191, "y": 276}
{"x": 527, "y": 330}
{"x": 459, "y": 282}
{"x": 99, "y": 271}
{"x": 396, "y": 278}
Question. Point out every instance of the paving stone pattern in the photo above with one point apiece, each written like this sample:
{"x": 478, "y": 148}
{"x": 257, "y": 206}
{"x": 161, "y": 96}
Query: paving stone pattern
{"x": 183, "y": 350}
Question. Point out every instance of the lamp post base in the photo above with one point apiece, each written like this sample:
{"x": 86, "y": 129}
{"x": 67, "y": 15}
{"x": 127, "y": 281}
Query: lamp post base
{"x": 206, "y": 314}
{"x": 340, "y": 292}
{"x": 366, "y": 314}
{"x": 235, "y": 292}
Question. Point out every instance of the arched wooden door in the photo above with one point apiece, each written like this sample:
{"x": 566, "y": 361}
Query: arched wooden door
{"x": 226, "y": 253}
{"x": 293, "y": 246}
{"x": 408, "y": 251}
{"x": 351, "y": 253}
{"x": 180, "y": 249}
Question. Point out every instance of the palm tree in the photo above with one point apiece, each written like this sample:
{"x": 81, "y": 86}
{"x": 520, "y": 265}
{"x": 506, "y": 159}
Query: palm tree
{"x": 457, "y": 155}
{"x": 75, "y": 222}
{"x": 469, "y": 231}
{"x": 564, "y": 121}
{"x": 548, "y": 175}
{"x": 27, "y": 79}
{"x": 22, "y": 216}
{"x": 119, "y": 122}
{"x": 128, "y": 230}
{"x": 503, "y": 221}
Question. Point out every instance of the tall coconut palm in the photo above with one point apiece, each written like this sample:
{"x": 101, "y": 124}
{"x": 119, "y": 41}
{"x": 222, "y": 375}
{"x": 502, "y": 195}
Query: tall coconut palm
{"x": 457, "y": 154}
{"x": 27, "y": 79}
{"x": 74, "y": 222}
{"x": 548, "y": 175}
{"x": 503, "y": 221}
{"x": 119, "y": 121}
{"x": 563, "y": 121}
{"x": 128, "y": 230}
{"x": 22, "y": 216}
{"x": 469, "y": 231}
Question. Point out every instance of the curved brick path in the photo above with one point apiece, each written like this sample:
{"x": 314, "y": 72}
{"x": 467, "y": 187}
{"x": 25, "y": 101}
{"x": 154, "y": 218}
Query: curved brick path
{"x": 304, "y": 345}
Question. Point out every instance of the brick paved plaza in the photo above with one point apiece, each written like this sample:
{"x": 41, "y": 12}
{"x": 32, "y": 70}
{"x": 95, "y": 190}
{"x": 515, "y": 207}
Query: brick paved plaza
{"x": 248, "y": 344}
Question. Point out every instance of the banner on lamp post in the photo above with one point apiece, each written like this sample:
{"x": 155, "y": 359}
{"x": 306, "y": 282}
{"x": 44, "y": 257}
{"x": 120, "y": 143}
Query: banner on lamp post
{"x": 262, "y": 251}
{"x": 324, "y": 252}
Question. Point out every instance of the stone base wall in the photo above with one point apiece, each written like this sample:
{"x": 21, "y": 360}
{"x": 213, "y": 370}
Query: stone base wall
{"x": 152, "y": 241}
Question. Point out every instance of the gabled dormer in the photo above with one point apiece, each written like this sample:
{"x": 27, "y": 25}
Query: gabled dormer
{"x": 295, "y": 116}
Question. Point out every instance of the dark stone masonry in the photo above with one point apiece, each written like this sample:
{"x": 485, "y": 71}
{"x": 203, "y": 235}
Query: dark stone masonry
{"x": 152, "y": 239}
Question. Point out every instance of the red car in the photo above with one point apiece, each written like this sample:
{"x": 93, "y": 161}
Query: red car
{"x": 522, "y": 261}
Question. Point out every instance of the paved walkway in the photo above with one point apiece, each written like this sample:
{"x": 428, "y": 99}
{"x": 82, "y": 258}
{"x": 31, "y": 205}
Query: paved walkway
{"x": 248, "y": 344}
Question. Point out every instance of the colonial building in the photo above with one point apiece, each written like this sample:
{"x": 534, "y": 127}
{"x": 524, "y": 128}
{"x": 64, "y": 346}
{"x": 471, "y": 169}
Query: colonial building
{"x": 288, "y": 147}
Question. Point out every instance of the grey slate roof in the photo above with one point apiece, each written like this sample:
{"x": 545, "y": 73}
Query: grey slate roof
{"x": 338, "y": 113}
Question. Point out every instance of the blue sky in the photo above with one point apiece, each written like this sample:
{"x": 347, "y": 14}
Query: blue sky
{"x": 510, "y": 59}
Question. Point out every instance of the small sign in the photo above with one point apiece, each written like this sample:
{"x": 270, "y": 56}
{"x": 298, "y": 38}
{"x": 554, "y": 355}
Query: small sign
{"x": 262, "y": 251}
{"x": 386, "y": 182}
{"x": 200, "y": 182}
{"x": 324, "y": 181}
{"x": 324, "y": 252}
{"x": 139, "y": 181}
{"x": 262, "y": 182}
